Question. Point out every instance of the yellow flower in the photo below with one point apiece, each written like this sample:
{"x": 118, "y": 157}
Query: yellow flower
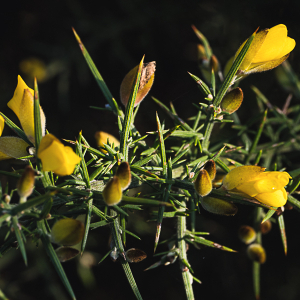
{"x": 102, "y": 137}
{"x": 1, "y": 124}
{"x": 56, "y": 157}
{"x": 22, "y": 104}
{"x": 268, "y": 50}
{"x": 266, "y": 187}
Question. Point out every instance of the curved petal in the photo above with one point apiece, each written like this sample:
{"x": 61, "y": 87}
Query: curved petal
{"x": 15, "y": 101}
{"x": 273, "y": 44}
{"x": 102, "y": 137}
{"x": 56, "y": 157}
{"x": 287, "y": 48}
{"x": 277, "y": 198}
{"x": 240, "y": 175}
{"x": 2, "y": 123}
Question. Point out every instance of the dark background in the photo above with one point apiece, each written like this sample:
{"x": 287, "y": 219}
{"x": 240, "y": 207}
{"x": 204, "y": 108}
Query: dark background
{"x": 117, "y": 34}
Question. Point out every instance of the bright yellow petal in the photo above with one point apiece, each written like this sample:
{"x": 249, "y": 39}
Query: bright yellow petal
{"x": 273, "y": 44}
{"x": 13, "y": 147}
{"x": 15, "y": 102}
{"x": 26, "y": 116}
{"x": 277, "y": 198}
{"x": 102, "y": 137}
{"x": 56, "y": 157}
{"x": 240, "y": 175}
{"x": 287, "y": 48}
{"x": 52, "y": 156}
{"x": 2, "y": 122}
{"x": 46, "y": 141}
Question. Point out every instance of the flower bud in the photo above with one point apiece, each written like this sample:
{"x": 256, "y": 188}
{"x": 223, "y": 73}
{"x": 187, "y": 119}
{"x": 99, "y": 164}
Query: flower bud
{"x": 66, "y": 253}
{"x": 202, "y": 184}
{"x": 218, "y": 206}
{"x": 214, "y": 63}
{"x": 146, "y": 82}
{"x": 124, "y": 175}
{"x": 232, "y": 101}
{"x": 247, "y": 234}
{"x": 102, "y": 138}
{"x": 67, "y": 232}
{"x": 201, "y": 52}
{"x": 265, "y": 227}
{"x": 135, "y": 255}
{"x": 112, "y": 193}
{"x": 210, "y": 167}
{"x": 25, "y": 184}
{"x": 257, "y": 253}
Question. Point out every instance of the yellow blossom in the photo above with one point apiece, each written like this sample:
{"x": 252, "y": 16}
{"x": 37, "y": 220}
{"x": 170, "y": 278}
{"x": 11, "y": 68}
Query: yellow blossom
{"x": 2, "y": 122}
{"x": 22, "y": 104}
{"x": 268, "y": 50}
{"x": 102, "y": 137}
{"x": 56, "y": 157}
{"x": 266, "y": 187}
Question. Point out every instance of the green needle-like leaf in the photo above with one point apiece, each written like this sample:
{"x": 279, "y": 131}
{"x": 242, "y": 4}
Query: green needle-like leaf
{"x": 53, "y": 257}
{"x": 106, "y": 92}
{"x": 282, "y": 233}
{"x": 233, "y": 70}
{"x": 19, "y": 238}
{"x": 129, "y": 112}
{"x": 87, "y": 224}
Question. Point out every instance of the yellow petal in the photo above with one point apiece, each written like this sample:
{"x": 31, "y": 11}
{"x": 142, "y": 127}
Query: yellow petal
{"x": 240, "y": 175}
{"x": 26, "y": 115}
{"x": 102, "y": 138}
{"x": 273, "y": 44}
{"x": 287, "y": 48}
{"x": 15, "y": 102}
{"x": 56, "y": 157}
{"x": 67, "y": 232}
{"x": 277, "y": 198}
{"x": 12, "y": 147}
{"x": 146, "y": 82}
{"x": 2, "y": 122}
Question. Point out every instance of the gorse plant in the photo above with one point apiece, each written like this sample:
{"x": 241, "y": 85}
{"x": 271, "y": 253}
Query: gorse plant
{"x": 59, "y": 184}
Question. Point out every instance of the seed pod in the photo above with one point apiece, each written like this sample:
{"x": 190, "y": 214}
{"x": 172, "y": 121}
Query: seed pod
{"x": 257, "y": 253}
{"x": 218, "y": 206}
{"x": 124, "y": 175}
{"x": 247, "y": 234}
{"x": 265, "y": 227}
{"x": 202, "y": 184}
{"x": 135, "y": 255}
{"x": 210, "y": 167}
{"x": 232, "y": 101}
{"x": 112, "y": 193}
{"x": 66, "y": 253}
{"x": 67, "y": 232}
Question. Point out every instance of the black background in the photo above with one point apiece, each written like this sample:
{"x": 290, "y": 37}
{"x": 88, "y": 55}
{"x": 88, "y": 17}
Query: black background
{"x": 117, "y": 34}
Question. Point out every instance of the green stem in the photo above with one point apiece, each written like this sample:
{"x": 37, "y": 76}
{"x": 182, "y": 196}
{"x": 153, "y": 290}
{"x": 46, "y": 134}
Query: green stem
{"x": 115, "y": 230}
{"x": 209, "y": 125}
{"x": 186, "y": 276}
